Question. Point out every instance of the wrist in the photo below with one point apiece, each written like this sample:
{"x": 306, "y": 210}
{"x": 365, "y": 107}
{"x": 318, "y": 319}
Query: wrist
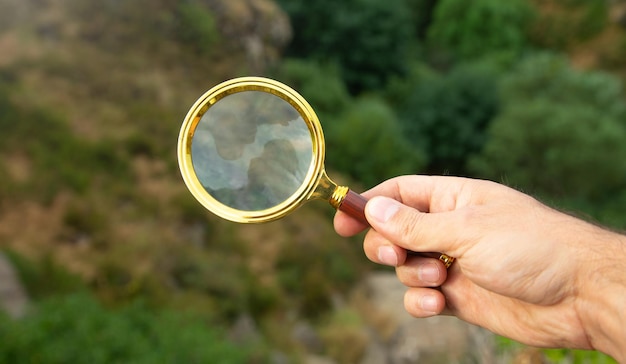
{"x": 601, "y": 304}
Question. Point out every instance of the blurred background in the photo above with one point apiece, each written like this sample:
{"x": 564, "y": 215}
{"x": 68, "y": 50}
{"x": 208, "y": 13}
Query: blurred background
{"x": 106, "y": 257}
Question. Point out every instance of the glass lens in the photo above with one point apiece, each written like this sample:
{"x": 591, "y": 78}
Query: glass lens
{"x": 252, "y": 150}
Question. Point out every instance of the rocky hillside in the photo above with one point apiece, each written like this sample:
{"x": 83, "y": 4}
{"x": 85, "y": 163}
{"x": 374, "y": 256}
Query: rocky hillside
{"x": 92, "y": 96}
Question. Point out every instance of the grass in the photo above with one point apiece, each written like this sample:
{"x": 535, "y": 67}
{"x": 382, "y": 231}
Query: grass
{"x": 558, "y": 356}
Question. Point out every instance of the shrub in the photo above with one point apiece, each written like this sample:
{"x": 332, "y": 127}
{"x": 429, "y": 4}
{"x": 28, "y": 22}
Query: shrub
{"x": 78, "y": 329}
{"x": 562, "y": 23}
{"x": 367, "y": 143}
{"x": 44, "y": 278}
{"x": 472, "y": 29}
{"x": 304, "y": 283}
{"x": 369, "y": 40}
{"x": 557, "y": 356}
{"x": 345, "y": 336}
{"x": 196, "y": 27}
{"x": 61, "y": 160}
{"x": 447, "y": 115}
{"x": 560, "y": 133}
{"x": 320, "y": 84}
{"x": 422, "y": 12}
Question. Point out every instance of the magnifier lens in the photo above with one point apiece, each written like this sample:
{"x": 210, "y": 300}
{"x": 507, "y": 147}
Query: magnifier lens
{"x": 251, "y": 150}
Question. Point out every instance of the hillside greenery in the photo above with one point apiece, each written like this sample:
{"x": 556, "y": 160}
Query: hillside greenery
{"x": 113, "y": 249}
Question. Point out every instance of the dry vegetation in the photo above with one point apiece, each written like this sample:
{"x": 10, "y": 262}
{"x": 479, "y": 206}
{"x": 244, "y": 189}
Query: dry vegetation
{"x": 113, "y": 209}
{"x": 92, "y": 94}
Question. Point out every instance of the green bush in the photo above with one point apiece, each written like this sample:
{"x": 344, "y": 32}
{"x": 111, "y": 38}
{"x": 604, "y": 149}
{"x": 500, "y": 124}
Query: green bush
{"x": 60, "y": 159}
{"x": 557, "y": 356}
{"x": 321, "y": 85}
{"x": 472, "y": 29}
{"x": 369, "y": 40}
{"x": 310, "y": 280}
{"x": 563, "y": 23}
{"x": 560, "y": 133}
{"x": 217, "y": 277}
{"x": 45, "y": 277}
{"x": 421, "y": 13}
{"x": 367, "y": 143}
{"x": 77, "y": 329}
{"x": 345, "y": 336}
{"x": 613, "y": 55}
{"x": 577, "y": 356}
{"x": 6, "y": 184}
{"x": 196, "y": 27}
{"x": 446, "y": 116}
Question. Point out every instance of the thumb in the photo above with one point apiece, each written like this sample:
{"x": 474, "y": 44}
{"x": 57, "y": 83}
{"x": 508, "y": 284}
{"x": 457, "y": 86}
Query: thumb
{"x": 411, "y": 229}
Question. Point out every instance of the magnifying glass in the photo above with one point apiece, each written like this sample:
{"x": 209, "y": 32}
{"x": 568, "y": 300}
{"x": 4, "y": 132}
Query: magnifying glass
{"x": 252, "y": 150}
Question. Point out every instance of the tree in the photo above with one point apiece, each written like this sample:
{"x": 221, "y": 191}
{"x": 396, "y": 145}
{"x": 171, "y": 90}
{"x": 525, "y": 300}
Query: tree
{"x": 563, "y": 23}
{"x": 470, "y": 29}
{"x": 367, "y": 143}
{"x": 447, "y": 115}
{"x": 320, "y": 84}
{"x": 561, "y": 132}
{"x": 369, "y": 40}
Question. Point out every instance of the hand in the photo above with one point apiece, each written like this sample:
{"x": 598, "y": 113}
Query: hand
{"x": 523, "y": 270}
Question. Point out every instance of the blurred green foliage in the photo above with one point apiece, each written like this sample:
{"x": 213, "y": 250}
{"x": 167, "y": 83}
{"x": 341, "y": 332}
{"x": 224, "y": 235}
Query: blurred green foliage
{"x": 446, "y": 115}
{"x": 558, "y": 356}
{"x": 577, "y": 357}
{"x": 319, "y": 83}
{"x": 60, "y": 158}
{"x": 113, "y": 24}
{"x": 363, "y": 135}
{"x": 421, "y": 17}
{"x": 308, "y": 288}
{"x": 368, "y": 40}
{"x": 196, "y": 27}
{"x": 44, "y": 278}
{"x": 367, "y": 142}
{"x": 77, "y": 329}
{"x": 465, "y": 30}
{"x": 567, "y": 22}
{"x": 560, "y": 133}
{"x": 345, "y": 335}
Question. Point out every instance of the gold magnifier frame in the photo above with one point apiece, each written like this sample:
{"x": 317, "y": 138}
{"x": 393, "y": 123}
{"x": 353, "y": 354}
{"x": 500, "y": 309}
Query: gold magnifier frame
{"x": 316, "y": 185}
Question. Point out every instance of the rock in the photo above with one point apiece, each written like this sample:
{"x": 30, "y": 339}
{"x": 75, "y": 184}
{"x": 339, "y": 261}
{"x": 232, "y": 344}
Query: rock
{"x": 439, "y": 339}
{"x": 277, "y": 357}
{"x": 244, "y": 330}
{"x": 260, "y": 27}
{"x": 13, "y": 298}
{"x": 376, "y": 351}
{"x": 305, "y": 335}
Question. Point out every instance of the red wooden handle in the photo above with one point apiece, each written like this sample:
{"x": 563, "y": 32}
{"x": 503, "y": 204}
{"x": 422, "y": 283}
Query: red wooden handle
{"x": 354, "y": 205}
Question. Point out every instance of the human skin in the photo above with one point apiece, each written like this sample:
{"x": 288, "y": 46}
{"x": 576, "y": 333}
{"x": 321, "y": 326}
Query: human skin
{"x": 522, "y": 269}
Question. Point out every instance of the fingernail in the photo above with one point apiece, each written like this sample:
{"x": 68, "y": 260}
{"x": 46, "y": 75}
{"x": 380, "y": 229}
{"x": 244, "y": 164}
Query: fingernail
{"x": 428, "y": 304}
{"x": 382, "y": 208}
{"x": 387, "y": 256}
{"x": 428, "y": 273}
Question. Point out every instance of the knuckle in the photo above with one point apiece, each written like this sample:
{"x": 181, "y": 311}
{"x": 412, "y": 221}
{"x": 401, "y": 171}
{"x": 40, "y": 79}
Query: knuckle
{"x": 410, "y": 229}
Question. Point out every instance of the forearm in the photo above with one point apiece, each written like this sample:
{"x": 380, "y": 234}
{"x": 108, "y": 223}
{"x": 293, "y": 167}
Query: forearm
{"x": 602, "y": 301}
